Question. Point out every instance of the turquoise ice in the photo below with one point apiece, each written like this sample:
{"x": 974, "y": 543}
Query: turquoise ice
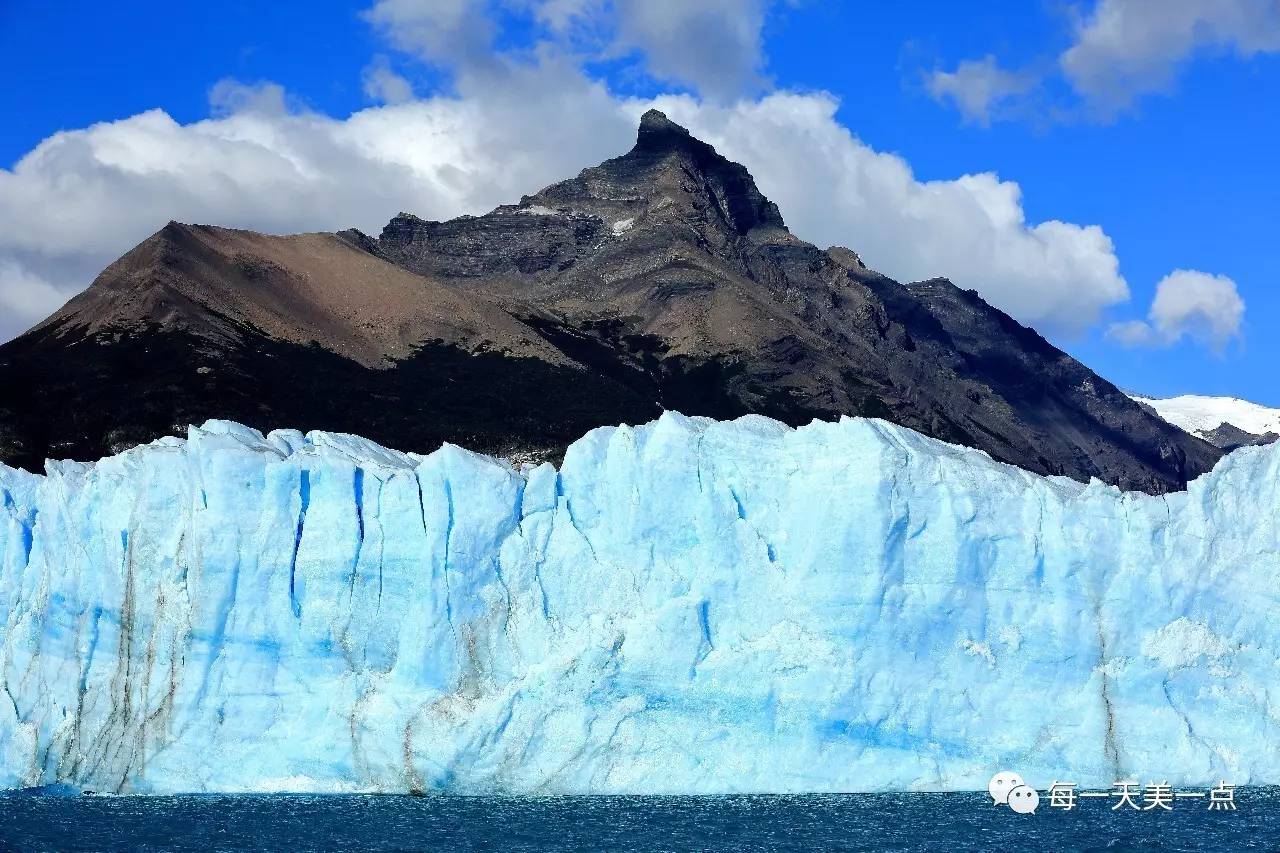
{"x": 687, "y": 606}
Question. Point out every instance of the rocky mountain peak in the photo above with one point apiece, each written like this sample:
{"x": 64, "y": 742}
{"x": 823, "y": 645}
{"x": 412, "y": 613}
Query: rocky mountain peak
{"x": 671, "y": 170}
{"x": 661, "y": 143}
{"x": 657, "y": 132}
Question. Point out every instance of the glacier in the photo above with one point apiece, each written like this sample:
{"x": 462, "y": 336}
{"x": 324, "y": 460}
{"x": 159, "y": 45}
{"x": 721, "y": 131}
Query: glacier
{"x": 688, "y": 606}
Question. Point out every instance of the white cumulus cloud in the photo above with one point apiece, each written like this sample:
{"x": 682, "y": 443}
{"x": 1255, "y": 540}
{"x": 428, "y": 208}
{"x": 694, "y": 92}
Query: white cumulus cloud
{"x": 451, "y": 32}
{"x": 714, "y": 47}
{"x": 978, "y": 87}
{"x": 384, "y": 85}
{"x": 1119, "y": 51}
{"x": 1125, "y": 48}
{"x": 26, "y": 297}
{"x": 1188, "y": 304}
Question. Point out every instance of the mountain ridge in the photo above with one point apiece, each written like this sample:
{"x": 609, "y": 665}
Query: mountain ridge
{"x": 659, "y": 279}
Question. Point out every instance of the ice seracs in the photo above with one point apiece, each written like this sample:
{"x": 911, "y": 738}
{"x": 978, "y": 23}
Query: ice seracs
{"x": 688, "y": 606}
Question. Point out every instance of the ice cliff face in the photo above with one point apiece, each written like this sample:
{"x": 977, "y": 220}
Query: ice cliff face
{"x": 688, "y": 606}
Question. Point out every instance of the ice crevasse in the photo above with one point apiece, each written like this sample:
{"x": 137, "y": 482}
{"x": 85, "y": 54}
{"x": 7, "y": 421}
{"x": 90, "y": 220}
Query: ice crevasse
{"x": 688, "y": 606}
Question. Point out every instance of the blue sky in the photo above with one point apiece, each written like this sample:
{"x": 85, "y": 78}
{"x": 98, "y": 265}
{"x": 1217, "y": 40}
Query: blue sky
{"x": 1155, "y": 133}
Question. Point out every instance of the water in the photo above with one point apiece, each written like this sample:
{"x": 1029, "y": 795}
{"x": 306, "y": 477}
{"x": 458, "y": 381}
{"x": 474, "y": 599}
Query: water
{"x": 941, "y": 822}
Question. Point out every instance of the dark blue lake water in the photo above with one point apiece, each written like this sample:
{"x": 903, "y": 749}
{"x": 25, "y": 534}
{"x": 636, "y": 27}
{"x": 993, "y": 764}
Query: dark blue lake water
{"x": 942, "y": 822}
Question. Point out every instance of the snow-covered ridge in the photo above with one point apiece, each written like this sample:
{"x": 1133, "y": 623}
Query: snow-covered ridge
{"x": 1198, "y": 414}
{"x": 686, "y": 606}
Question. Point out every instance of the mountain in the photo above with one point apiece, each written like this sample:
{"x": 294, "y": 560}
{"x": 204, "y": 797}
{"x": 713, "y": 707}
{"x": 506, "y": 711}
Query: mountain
{"x": 306, "y": 329}
{"x": 1225, "y": 422}
{"x": 661, "y": 279}
{"x": 685, "y": 607}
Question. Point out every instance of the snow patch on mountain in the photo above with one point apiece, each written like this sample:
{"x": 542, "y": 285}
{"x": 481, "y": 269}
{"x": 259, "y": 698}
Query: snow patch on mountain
{"x": 1199, "y": 414}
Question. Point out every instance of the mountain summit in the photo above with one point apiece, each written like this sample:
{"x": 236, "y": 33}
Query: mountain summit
{"x": 660, "y": 279}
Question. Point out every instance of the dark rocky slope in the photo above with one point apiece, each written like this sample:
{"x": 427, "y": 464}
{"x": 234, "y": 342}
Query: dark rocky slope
{"x": 659, "y": 279}
{"x": 1230, "y": 437}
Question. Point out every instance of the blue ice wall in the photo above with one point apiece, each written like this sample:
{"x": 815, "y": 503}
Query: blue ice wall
{"x": 687, "y": 606}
